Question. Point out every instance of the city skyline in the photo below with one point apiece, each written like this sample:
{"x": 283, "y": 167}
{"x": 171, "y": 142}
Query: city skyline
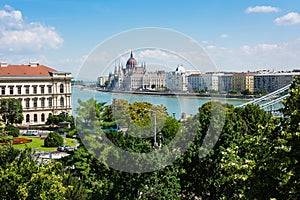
{"x": 238, "y": 36}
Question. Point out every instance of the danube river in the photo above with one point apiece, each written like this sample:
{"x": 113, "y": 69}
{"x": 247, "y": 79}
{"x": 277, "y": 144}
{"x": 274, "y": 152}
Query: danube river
{"x": 175, "y": 104}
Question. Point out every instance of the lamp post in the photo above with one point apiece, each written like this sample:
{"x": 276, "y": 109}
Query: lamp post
{"x": 155, "y": 144}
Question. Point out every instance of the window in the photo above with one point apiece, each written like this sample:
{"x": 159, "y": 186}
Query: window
{"x": 61, "y": 88}
{"x": 42, "y": 102}
{"x": 35, "y": 102}
{"x": 27, "y": 103}
{"x": 11, "y": 89}
{"x": 50, "y": 102}
{"x": 35, "y": 117}
{"x": 27, "y": 118}
{"x": 27, "y": 89}
{"x": 19, "y": 89}
{"x": 42, "y": 89}
{"x": 34, "y": 89}
{"x": 42, "y": 117}
{"x": 50, "y": 89}
{"x": 3, "y": 90}
{"x": 62, "y": 101}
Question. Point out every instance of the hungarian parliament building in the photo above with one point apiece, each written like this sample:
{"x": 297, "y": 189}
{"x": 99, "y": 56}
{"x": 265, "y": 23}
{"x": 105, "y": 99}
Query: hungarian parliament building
{"x": 136, "y": 77}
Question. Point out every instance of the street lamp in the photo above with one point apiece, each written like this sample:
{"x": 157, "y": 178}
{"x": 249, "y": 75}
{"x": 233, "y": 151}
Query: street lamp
{"x": 155, "y": 144}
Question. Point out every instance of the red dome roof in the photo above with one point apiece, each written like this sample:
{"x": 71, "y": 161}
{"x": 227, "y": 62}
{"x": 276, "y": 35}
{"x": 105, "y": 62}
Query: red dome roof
{"x": 131, "y": 62}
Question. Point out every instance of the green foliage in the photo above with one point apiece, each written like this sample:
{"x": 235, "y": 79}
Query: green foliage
{"x": 11, "y": 111}
{"x": 255, "y": 157}
{"x": 140, "y": 113}
{"x": 291, "y": 130}
{"x": 12, "y": 130}
{"x": 169, "y": 130}
{"x": 23, "y": 178}
{"x": 246, "y": 92}
{"x": 53, "y": 139}
{"x": 232, "y": 92}
{"x": 62, "y": 117}
{"x": 8, "y": 154}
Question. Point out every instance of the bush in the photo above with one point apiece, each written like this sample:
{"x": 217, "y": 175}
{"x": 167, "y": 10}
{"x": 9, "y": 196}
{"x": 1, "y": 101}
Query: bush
{"x": 53, "y": 139}
{"x": 12, "y": 130}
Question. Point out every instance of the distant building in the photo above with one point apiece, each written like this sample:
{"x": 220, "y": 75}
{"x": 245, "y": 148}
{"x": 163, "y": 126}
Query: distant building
{"x": 273, "y": 81}
{"x": 225, "y": 82}
{"x": 177, "y": 80}
{"x": 208, "y": 81}
{"x": 243, "y": 81}
{"x": 135, "y": 77}
{"x": 195, "y": 82}
{"x": 42, "y": 91}
{"x": 101, "y": 81}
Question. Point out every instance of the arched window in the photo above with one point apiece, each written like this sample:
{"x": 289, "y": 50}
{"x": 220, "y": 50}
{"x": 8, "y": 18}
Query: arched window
{"x": 42, "y": 117}
{"x": 35, "y": 117}
{"x": 61, "y": 88}
{"x": 27, "y": 118}
{"x": 62, "y": 101}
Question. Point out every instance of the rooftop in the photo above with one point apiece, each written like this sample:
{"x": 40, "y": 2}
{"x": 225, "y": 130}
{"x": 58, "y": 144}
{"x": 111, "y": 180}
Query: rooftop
{"x": 29, "y": 70}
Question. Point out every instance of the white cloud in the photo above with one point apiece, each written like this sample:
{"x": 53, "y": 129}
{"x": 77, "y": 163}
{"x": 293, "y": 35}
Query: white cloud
{"x": 16, "y": 35}
{"x": 291, "y": 18}
{"x": 224, "y": 36}
{"x": 155, "y": 54}
{"x": 211, "y": 47}
{"x": 259, "y": 48}
{"x": 262, "y": 9}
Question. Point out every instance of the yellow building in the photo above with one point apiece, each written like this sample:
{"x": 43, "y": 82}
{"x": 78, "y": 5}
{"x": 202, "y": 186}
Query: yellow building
{"x": 243, "y": 81}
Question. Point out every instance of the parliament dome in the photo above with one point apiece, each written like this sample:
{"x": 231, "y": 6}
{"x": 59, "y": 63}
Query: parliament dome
{"x": 131, "y": 62}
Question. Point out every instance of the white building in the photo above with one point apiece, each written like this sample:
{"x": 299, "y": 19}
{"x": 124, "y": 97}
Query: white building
{"x": 177, "y": 80}
{"x": 42, "y": 91}
{"x": 101, "y": 81}
{"x": 135, "y": 77}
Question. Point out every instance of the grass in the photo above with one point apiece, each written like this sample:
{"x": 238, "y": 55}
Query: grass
{"x": 38, "y": 144}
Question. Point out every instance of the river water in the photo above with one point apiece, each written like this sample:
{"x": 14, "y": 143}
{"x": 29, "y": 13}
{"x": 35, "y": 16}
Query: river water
{"x": 176, "y": 105}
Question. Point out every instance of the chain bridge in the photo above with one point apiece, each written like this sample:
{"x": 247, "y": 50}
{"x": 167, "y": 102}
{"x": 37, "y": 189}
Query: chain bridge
{"x": 271, "y": 102}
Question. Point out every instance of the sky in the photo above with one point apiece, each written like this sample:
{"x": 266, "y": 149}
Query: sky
{"x": 237, "y": 35}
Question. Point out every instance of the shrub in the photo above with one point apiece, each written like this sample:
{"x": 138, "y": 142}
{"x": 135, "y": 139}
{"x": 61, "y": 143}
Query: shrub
{"x": 12, "y": 130}
{"x": 54, "y": 139}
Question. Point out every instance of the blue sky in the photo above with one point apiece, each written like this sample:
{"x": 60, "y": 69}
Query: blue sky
{"x": 238, "y": 35}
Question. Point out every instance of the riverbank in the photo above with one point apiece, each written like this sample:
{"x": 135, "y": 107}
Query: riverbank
{"x": 183, "y": 94}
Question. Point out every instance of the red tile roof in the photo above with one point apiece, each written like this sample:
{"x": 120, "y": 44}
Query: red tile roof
{"x": 25, "y": 70}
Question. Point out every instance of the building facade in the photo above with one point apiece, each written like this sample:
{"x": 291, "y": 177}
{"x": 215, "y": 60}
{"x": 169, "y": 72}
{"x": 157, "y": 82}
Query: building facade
{"x": 225, "y": 83}
{"x": 243, "y": 81}
{"x": 273, "y": 81}
{"x": 177, "y": 80}
{"x": 42, "y": 91}
{"x": 135, "y": 77}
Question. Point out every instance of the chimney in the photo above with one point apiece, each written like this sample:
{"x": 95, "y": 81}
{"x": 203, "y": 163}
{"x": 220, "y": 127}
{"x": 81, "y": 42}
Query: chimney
{"x": 3, "y": 64}
{"x": 33, "y": 64}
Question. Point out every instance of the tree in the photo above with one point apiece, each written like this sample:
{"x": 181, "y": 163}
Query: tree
{"x": 62, "y": 117}
{"x": 169, "y": 130}
{"x": 53, "y": 139}
{"x": 232, "y": 92}
{"x": 291, "y": 130}
{"x": 24, "y": 178}
{"x": 11, "y": 111}
{"x": 246, "y": 92}
{"x": 12, "y": 130}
